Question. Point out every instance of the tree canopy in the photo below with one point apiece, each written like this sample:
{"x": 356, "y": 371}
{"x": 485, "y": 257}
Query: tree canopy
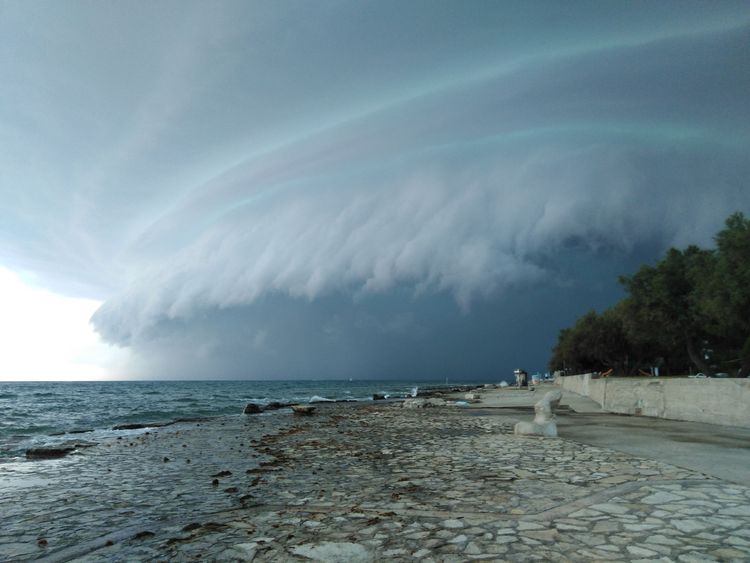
{"x": 690, "y": 310}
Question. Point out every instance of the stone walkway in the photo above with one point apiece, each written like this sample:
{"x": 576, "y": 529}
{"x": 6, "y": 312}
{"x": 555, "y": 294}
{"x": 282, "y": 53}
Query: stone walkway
{"x": 366, "y": 484}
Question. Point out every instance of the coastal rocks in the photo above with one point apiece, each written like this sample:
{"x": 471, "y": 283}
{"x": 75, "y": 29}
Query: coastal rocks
{"x": 304, "y": 410}
{"x": 48, "y": 452}
{"x": 255, "y": 408}
{"x": 378, "y": 397}
{"x": 544, "y": 420}
{"x": 423, "y": 403}
{"x": 413, "y": 403}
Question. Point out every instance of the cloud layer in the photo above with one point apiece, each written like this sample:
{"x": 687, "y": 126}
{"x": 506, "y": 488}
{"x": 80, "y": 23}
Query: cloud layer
{"x": 309, "y": 191}
{"x": 469, "y": 189}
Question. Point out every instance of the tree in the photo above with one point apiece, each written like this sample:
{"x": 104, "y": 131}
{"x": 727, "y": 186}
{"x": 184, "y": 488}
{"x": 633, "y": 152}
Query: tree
{"x": 691, "y": 307}
{"x": 660, "y": 307}
{"x": 724, "y": 295}
{"x": 595, "y": 343}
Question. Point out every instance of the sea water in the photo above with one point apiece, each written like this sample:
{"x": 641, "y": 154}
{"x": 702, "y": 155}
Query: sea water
{"x": 37, "y": 413}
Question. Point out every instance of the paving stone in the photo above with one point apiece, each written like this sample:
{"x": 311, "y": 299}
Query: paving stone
{"x": 641, "y": 551}
{"x": 688, "y": 526}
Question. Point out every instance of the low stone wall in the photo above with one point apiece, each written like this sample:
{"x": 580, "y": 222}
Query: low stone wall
{"x": 715, "y": 401}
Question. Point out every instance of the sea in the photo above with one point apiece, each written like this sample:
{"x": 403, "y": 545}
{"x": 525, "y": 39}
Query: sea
{"x": 47, "y": 413}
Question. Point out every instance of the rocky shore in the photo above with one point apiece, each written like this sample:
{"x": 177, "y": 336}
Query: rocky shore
{"x": 364, "y": 483}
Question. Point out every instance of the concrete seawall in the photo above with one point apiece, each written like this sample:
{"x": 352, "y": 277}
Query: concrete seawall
{"x": 715, "y": 401}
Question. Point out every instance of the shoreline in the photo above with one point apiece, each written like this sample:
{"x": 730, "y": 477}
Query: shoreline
{"x": 374, "y": 482}
{"x": 39, "y": 415}
{"x": 136, "y": 423}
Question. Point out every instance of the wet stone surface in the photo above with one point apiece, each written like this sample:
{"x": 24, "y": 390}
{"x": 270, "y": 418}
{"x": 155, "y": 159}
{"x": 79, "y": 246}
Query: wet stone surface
{"x": 364, "y": 484}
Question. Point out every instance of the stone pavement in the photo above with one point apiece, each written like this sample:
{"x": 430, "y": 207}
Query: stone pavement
{"x": 367, "y": 484}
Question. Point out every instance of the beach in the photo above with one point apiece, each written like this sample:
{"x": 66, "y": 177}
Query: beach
{"x": 367, "y": 482}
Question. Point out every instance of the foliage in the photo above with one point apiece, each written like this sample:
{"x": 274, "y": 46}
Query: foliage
{"x": 692, "y": 308}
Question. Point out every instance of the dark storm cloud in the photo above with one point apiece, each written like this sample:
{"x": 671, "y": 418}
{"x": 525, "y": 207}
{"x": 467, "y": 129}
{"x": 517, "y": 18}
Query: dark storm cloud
{"x": 389, "y": 194}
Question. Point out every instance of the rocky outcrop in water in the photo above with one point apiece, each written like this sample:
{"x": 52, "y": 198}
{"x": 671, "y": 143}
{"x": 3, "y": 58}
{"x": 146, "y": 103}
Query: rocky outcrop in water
{"x": 48, "y": 452}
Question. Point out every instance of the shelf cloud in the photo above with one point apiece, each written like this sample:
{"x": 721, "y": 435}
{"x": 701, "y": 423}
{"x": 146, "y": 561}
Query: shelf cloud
{"x": 302, "y": 191}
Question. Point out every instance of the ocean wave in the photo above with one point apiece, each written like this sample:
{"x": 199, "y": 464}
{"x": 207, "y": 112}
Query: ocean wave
{"x": 8, "y": 396}
{"x": 26, "y": 431}
{"x": 319, "y": 399}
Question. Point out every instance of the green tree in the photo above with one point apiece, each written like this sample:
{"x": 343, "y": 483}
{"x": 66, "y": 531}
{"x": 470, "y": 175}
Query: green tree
{"x": 595, "y": 343}
{"x": 723, "y": 297}
{"x": 691, "y": 308}
{"x": 661, "y": 305}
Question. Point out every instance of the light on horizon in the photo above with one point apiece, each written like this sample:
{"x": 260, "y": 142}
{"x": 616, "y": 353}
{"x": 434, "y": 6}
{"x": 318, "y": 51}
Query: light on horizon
{"x": 48, "y": 337}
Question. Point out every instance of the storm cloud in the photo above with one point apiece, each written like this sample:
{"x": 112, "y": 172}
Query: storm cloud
{"x": 370, "y": 189}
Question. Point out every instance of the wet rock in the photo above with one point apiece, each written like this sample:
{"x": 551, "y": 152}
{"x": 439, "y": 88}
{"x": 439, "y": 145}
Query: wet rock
{"x": 143, "y": 535}
{"x": 275, "y": 405}
{"x": 423, "y": 403}
{"x": 378, "y": 397}
{"x": 413, "y": 403}
{"x": 305, "y": 410}
{"x": 252, "y": 408}
{"x": 76, "y": 445}
{"x": 48, "y": 453}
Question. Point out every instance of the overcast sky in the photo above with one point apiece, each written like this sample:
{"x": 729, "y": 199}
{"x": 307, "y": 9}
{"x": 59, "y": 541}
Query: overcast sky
{"x": 357, "y": 189}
